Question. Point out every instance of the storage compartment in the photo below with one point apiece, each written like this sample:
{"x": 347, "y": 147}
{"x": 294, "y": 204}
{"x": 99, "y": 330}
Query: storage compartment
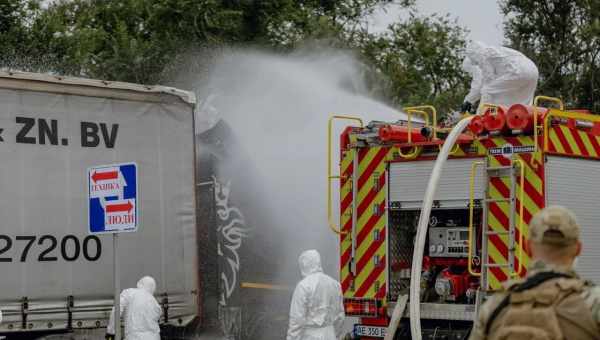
{"x": 573, "y": 183}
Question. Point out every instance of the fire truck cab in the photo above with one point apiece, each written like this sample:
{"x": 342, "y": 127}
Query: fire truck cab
{"x": 507, "y": 165}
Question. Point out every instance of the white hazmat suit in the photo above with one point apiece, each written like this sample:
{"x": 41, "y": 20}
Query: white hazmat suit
{"x": 317, "y": 308}
{"x": 500, "y": 75}
{"x": 141, "y": 311}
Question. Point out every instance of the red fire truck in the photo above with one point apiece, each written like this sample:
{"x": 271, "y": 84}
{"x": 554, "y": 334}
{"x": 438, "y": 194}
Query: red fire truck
{"x": 508, "y": 164}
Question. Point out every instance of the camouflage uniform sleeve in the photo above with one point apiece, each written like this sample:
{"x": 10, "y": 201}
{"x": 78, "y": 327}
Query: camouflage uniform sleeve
{"x": 592, "y": 299}
{"x": 478, "y": 332}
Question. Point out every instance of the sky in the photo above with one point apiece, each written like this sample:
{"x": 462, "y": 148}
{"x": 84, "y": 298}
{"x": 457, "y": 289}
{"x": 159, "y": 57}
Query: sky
{"x": 481, "y": 17}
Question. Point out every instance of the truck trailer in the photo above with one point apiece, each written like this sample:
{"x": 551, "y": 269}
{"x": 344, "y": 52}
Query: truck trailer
{"x": 57, "y": 276}
{"x": 506, "y": 166}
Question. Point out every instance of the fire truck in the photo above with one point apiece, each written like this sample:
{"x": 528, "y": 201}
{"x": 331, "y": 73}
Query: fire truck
{"x": 504, "y": 167}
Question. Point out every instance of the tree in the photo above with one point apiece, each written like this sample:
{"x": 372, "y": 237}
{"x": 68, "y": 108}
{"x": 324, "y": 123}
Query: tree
{"x": 422, "y": 59}
{"x": 133, "y": 40}
{"x": 416, "y": 61}
{"x": 15, "y": 36}
{"x": 563, "y": 38}
{"x": 128, "y": 40}
{"x": 336, "y": 21}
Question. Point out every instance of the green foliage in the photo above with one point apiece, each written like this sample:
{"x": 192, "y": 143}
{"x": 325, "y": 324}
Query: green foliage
{"x": 13, "y": 30}
{"x": 422, "y": 58}
{"x": 563, "y": 38}
{"x": 15, "y": 36}
{"x": 129, "y": 40}
{"x": 416, "y": 61}
{"x": 133, "y": 40}
{"x": 335, "y": 21}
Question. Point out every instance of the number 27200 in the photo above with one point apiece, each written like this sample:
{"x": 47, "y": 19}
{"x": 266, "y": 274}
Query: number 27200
{"x": 49, "y": 247}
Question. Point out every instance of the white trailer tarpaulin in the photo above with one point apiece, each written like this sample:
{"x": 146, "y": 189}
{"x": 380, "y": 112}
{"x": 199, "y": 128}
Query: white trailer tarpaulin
{"x": 54, "y": 273}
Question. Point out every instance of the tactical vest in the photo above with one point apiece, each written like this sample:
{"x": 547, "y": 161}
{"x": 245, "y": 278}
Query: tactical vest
{"x": 547, "y": 306}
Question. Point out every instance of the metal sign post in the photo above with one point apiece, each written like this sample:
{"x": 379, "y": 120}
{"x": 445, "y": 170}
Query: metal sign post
{"x": 117, "y": 300}
{"x": 113, "y": 209}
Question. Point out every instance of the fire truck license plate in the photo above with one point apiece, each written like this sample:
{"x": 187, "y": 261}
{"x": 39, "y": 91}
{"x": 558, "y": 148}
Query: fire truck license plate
{"x": 370, "y": 331}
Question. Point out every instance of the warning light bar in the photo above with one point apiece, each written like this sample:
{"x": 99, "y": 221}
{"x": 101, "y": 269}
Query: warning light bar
{"x": 361, "y": 307}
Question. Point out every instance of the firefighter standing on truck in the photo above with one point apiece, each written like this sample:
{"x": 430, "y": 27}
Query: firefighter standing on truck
{"x": 501, "y": 75}
{"x": 552, "y": 302}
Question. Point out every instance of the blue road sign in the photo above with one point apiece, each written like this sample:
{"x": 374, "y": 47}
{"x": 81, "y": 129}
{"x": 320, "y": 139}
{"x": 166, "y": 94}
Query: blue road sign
{"x": 113, "y": 198}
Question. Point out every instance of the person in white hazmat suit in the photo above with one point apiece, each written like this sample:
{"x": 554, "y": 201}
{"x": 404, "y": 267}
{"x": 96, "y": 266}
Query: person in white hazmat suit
{"x": 142, "y": 312}
{"x": 501, "y": 76}
{"x": 317, "y": 308}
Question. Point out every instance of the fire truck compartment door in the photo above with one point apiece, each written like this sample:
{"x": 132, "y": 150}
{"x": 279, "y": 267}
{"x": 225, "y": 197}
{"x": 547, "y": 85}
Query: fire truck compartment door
{"x": 573, "y": 183}
{"x": 408, "y": 182}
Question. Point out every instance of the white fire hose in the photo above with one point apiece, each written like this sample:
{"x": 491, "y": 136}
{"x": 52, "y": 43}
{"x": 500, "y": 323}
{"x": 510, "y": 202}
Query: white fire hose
{"x": 417, "y": 262}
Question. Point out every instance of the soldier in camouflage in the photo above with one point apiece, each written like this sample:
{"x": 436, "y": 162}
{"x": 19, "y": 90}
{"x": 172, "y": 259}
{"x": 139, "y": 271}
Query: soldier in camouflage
{"x": 552, "y": 302}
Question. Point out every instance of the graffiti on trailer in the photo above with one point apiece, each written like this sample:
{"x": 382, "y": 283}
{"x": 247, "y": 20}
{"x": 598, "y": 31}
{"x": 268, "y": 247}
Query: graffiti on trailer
{"x": 232, "y": 229}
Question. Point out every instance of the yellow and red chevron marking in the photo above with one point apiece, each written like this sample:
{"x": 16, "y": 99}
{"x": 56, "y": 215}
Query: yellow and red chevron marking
{"x": 574, "y": 142}
{"x": 346, "y": 171}
{"x": 499, "y": 212}
{"x": 462, "y": 151}
{"x": 369, "y": 279}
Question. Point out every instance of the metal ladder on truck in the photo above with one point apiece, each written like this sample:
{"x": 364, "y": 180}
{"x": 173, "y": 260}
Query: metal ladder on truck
{"x": 490, "y": 172}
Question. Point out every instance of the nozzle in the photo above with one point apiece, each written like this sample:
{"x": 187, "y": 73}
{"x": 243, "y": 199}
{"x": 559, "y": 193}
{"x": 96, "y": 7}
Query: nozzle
{"x": 427, "y": 132}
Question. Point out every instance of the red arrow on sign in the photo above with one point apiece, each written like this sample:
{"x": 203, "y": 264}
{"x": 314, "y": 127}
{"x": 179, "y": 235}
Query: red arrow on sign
{"x": 104, "y": 176}
{"x": 119, "y": 207}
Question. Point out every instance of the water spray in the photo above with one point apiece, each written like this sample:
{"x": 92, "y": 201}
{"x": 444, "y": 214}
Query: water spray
{"x": 276, "y": 108}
